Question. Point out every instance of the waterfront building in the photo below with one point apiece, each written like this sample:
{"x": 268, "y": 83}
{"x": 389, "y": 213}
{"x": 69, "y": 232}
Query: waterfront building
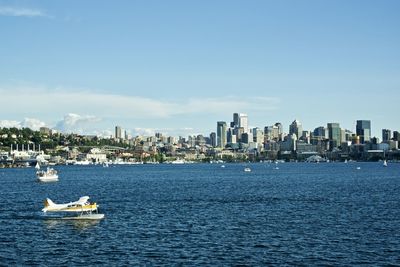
{"x": 348, "y": 135}
{"x": 246, "y": 138}
{"x": 396, "y": 136}
{"x": 273, "y": 132}
{"x": 239, "y": 131}
{"x": 279, "y": 126}
{"x": 171, "y": 140}
{"x": 230, "y": 135}
{"x": 233, "y": 139}
{"x": 319, "y": 133}
{"x": 342, "y": 135}
{"x": 213, "y": 139}
{"x": 221, "y": 134}
{"x": 258, "y": 136}
{"x": 296, "y": 128}
{"x": 363, "y": 130}
{"x": 386, "y": 135}
{"x": 305, "y": 136}
{"x": 334, "y": 133}
{"x": 289, "y": 143}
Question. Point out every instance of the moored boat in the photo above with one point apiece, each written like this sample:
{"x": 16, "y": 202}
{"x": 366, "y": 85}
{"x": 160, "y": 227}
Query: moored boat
{"x": 50, "y": 175}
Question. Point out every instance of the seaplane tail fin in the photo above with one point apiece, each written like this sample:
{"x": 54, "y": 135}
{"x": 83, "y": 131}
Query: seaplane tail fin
{"x": 47, "y": 204}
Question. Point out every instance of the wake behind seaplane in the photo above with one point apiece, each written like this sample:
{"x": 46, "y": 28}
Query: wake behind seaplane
{"x": 86, "y": 209}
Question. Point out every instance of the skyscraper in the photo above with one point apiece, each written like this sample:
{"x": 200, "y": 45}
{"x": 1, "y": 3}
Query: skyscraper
{"x": 244, "y": 122}
{"x": 363, "y": 130}
{"x": 320, "y": 133}
{"x": 235, "y": 122}
{"x": 386, "y": 135}
{"x": 118, "y": 132}
{"x": 296, "y": 128}
{"x": 334, "y": 133}
{"x": 213, "y": 138}
{"x": 221, "y": 134}
{"x": 396, "y": 136}
{"x": 258, "y": 136}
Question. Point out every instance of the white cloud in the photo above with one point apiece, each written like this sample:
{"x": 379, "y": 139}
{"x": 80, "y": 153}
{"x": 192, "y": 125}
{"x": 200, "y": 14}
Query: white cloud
{"x": 33, "y": 124}
{"x": 165, "y": 131}
{"x": 10, "y": 124}
{"x": 75, "y": 123}
{"x": 51, "y": 105}
{"x": 144, "y": 131}
{"x": 63, "y": 101}
{"x": 21, "y": 12}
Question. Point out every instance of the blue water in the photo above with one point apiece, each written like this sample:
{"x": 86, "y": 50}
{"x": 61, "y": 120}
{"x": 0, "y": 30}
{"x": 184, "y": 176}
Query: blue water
{"x": 202, "y": 214}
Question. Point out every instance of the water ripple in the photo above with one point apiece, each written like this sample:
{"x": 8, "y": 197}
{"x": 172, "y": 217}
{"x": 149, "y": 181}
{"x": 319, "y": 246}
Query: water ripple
{"x": 303, "y": 214}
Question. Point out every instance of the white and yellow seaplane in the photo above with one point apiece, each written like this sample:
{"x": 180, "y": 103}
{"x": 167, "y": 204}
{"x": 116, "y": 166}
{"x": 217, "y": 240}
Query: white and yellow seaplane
{"x": 86, "y": 210}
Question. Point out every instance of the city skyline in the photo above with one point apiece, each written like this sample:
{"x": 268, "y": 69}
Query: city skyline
{"x": 180, "y": 67}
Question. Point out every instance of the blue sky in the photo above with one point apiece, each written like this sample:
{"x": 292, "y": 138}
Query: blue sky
{"x": 180, "y": 66}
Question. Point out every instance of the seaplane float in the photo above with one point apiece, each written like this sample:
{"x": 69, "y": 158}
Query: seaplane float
{"x": 85, "y": 209}
{"x": 49, "y": 175}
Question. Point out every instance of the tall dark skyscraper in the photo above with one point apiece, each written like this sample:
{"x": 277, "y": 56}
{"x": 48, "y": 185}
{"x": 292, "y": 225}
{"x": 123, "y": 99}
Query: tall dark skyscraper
{"x": 396, "y": 136}
{"x": 363, "y": 130}
{"x": 118, "y": 132}
{"x": 213, "y": 139}
{"x": 236, "y": 120}
{"x": 334, "y": 134}
{"x": 221, "y": 134}
{"x": 386, "y": 135}
{"x": 296, "y": 128}
{"x": 320, "y": 132}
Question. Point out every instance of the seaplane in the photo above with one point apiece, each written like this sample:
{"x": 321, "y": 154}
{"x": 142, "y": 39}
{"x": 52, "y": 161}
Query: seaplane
{"x": 86, "y": 209}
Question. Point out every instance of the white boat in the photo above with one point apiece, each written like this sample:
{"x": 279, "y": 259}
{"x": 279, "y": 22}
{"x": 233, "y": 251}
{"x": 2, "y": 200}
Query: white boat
{"x": 82, "y": 162}
{"x": 178, "y": 161}
{"x": 222, "y": 166}
{"x": 37, "y": 166}
{"x": 82, "y": 207}
{"x": 247, "y": 169}
{"x": 50, "y": 175}
{"x": 358, "y": 168}
{"x": 385, "y": 163}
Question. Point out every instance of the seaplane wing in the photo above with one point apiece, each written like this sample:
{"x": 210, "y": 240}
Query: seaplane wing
{"x": 82, "y": 201}
{"x": 81, "y": 205}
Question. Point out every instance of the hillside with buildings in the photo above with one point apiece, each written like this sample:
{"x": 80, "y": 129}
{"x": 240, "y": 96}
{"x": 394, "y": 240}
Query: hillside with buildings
{"x": 233, "y": 142}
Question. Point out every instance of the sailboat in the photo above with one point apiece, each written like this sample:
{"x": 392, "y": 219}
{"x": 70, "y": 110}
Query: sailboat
{"x": 385, "y": 163}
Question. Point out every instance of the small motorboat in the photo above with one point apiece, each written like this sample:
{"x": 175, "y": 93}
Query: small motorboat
{"x": 50, "y": 175}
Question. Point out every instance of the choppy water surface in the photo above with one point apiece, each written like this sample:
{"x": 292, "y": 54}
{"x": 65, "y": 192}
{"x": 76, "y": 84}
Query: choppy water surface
{"x": 308, "y": 214}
